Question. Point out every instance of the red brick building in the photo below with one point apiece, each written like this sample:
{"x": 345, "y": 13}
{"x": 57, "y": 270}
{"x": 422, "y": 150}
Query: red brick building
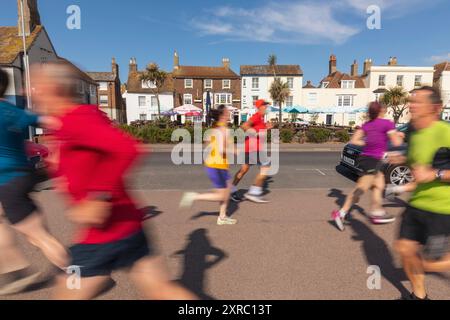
{"x": 191, "y": 84}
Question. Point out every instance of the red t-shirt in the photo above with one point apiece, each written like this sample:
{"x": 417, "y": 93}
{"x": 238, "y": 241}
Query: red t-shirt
{"x": 256, "y": 143}
{"x": 94, "y": 157}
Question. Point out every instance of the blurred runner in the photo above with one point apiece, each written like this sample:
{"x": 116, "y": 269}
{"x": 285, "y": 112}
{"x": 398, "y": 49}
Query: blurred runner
{"x": 425, "y": 229}
{"x": 217, "y": 168}
{"x": 255, "y": 146}
{"x": 17, "y": 181}
{"x": 374, "y": 136}
{"x": 93, "y": 159}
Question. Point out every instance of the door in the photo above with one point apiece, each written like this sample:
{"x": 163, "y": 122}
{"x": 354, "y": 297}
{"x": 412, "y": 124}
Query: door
{"x": 329, "y": 119}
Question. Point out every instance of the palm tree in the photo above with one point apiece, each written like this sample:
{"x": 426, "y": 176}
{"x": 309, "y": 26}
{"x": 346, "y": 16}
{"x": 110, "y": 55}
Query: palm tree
{"x": 156, "y": 79}
{"x": 396, "y": 99}
{"x": 279, "y": 92}
{"x": 272, "y": 61}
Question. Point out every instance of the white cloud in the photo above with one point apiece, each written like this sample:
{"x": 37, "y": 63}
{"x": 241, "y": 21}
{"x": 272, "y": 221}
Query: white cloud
{"x": 440, "y": 58}
{"x": 301, "y": 21}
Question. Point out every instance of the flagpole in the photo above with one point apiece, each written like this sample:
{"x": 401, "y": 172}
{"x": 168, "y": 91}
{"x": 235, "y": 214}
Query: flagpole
{"x": 26, "y": 67}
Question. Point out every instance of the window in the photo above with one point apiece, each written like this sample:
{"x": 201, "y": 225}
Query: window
{"x": 208, "y": 84}
{"x": 92, "y": 90}
{"x": 417, "y": 81}
{"x": 348, "y": 84}
{"x": 143, "y": 117}
{"x": 141, "y": 101}
{"x": 400, "y": 81}
{"x": 244, "y": 100}
{"x": 244, "y": 83}
{"x": 254, "y": 99}
{"x": 255, "y": 83}
{"x": 187, "y": 99}
{"x": 103, "y": 85}
{"x": 148, "y": 84}
{"x": 290, "y": 82}
{"x": 290, "y": 101}
{"x": 381, "y": 80}
{"x": 345, "y": 101}
{"x": 312, "y": 98}
{"x": 154, "y": 102}
{"x": 80, "y": 86}
{"x": 226, "y": 84}
{"x": 325, "y": 84}
{"x": 188, "y": 84}
{"x": 223, "y": 98}
{"x": 103, "y": 100}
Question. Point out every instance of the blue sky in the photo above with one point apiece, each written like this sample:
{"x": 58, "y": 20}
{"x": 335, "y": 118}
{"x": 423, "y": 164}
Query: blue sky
{"x": 204, "y": 31}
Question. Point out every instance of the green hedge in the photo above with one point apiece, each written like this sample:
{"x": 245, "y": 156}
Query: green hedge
{"x": 342, "y": 136}
{"x": 286, "y": 135}
{"x": 318, "y": 135}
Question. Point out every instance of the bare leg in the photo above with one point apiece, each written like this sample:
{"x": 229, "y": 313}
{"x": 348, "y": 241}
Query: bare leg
{"x": 34, "y": 229}
{"x": 219, "y": 195}
{"x": 442, "y": 265}
{"x": 89, "y": 288}
{"x": 363, "y": 184}
{"x": 240, "y": 174}
{"x": 412, "y": 264}
{"x": 261, "y": 177}
{"x": 11, "y": 258}
{"x": 377, "y": 192}
{"x": 152, "y": 279}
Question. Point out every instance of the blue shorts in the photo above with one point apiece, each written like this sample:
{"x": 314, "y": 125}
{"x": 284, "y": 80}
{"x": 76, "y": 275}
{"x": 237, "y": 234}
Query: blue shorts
{"x": 218, "y": 177}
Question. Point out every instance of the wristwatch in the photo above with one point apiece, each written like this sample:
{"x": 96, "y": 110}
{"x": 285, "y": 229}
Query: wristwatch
{"x": 439, "y": 175}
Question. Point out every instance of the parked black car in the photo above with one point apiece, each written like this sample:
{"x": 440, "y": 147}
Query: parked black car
{"x": 395, "y": 174}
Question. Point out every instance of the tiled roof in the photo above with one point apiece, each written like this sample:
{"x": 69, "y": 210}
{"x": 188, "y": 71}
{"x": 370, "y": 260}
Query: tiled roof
{"x": 11, "y": 43}
{"x": 264, "y": 70}
{"x": 204, "y": 72}
{"x": 439, "y": 68}
{"x": 102, "y": 76}
{"x": 134, "y": 84}
{"x": 309, "y": 85}
{"x": 83, "y": 75}
{"x": 335, "y": 79}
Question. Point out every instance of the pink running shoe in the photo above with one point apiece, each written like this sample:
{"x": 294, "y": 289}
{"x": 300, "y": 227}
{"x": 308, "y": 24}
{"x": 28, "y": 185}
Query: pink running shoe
{"x": 336, "y": 216}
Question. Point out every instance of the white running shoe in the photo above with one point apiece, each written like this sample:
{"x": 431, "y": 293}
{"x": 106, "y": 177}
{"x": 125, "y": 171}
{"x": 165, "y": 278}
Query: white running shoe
{"x": 226, "y": 221}
{"x": 254, "y": 198}
{"x": 188, "y": 199}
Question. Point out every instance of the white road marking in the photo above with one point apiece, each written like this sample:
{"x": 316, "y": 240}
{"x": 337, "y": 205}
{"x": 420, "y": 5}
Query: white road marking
{"x": 318, "y": 170}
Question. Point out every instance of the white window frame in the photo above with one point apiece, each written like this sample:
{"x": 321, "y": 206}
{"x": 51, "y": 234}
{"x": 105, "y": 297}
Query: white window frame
{"x": 311, "y": 101}
{"x": 153, "y": 99}
{"x": 188, "y": 96}
{"x": 255, "y": 80}
{"x": 223, "y": 98}
{"x": 186, "y": 85}
{"x": 343, "y": 98}
{"x": 418, "y": 83}
{"x": 244, "y": 83}
{"x": 348, "y": 84}
{"x": 148, "y": 84}
{"x": 325, "y": 84}
{"x": 290, "y": 82}
{"x": 140, "y": 100}
{"x": 211, "y": 83}
{"x": 100, "y": 100}
{"x": 254, "y": 99}
{"x": 382, "y": 83}
{"x": 402, "y": 80}
{"x": 143, "y": 115}
{"x": 103, "y": 86}
{"x": 290, "y": 101}
{"x": 224, "y": 81}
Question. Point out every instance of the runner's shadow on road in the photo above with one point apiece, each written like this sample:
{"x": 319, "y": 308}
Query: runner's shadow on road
{"x": 378, "y": 254}
{"x": 199, "y": 255}
{"x": 267, "y": 183}
{"x": 150, "y": 212}
{"x": 205, "y": 214}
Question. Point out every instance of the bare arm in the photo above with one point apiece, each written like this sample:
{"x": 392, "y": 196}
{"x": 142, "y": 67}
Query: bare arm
{"x": 396, "y": 138}
{"x": 358, "y": 138}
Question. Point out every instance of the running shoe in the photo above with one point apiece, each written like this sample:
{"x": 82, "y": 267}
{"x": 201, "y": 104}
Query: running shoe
{"x": 336, "y": 216}
{"x": 381, "y": 219}
{"x": 226, "y": 221}
{"x": 17, "y": 281}
{"x": 235, "y": 197}
{"x": 254, "y": 198}
{"x": 412, "y": 296}
{"x": 187, "y": 200}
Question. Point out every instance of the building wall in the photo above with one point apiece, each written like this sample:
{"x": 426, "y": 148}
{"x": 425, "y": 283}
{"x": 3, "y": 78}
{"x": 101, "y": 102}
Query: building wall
{"x": 263, "y": 91}
{"x": 445, "y": 91}
{"x": 133, "y": 110}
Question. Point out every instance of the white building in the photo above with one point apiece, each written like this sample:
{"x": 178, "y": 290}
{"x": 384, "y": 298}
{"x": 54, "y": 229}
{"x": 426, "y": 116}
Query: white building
{"x": 442, "y": 81}
{"x": 140, "y": 97}
{"x": 257, "y": 79}
{"x": 40, "y": 50}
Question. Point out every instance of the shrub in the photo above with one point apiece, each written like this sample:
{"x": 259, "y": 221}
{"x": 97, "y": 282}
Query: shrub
{"x": 286, "y": 135}
{"x": 318, "y": 135}
{"x": 342, "y": 136}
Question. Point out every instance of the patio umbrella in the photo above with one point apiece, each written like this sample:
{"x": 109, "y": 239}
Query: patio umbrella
{"x": 169, "y": 113}
{"x": 187, "y": 108}
{"x": 296, "y": 109}
{"x": 193, "y": 114}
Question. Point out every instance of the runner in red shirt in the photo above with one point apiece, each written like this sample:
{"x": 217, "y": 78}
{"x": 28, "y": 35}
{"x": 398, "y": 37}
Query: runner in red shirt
{"x": 255, "y": 153}
{"x": 93, "y": 159}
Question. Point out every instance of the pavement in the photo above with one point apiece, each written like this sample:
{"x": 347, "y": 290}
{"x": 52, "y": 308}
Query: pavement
{"x": 286, "y": 249}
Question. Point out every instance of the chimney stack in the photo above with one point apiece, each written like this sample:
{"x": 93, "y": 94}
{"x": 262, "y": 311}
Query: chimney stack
{"x": 354, "y": 69}
{"x": 392, "y": 61}
{"x": 30, "y": 15}
{"x": 332, "y": 65}
{"x": 226, "y": 63}
{"x": 133, "y": 65}
{"x": 115, "y": 67}
{"x": 176, "y": 61}
{"x": 367, "y": 66}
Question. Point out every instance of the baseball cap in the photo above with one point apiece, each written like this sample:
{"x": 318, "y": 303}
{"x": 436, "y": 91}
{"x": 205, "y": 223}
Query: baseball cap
{"x": 261, "y": 102}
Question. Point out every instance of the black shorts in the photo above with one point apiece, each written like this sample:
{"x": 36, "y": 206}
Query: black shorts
{"x": 429, "y": 229}
{"x": 369, "y": 165}
{"x": 101, "y": 259}
{"x": 255, "y": 158}
{"x": 15, "y": 197}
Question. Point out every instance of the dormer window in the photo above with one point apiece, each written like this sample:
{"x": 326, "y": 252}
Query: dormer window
{"x": 325, "y": 84}
{"x": 148, "y": 84}
{"x": 347, "y": 84}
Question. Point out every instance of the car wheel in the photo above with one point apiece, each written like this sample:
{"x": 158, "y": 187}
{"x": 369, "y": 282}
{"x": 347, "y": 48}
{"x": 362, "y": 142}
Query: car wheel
{"x": 399, "y": 175}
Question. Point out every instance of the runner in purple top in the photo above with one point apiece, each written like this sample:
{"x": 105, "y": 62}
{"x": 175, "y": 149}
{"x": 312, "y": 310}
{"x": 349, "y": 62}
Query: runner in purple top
{"x": 374, "y": 136}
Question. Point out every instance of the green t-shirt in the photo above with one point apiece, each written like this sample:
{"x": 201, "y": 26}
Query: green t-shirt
{"x": 423, "y": 145}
